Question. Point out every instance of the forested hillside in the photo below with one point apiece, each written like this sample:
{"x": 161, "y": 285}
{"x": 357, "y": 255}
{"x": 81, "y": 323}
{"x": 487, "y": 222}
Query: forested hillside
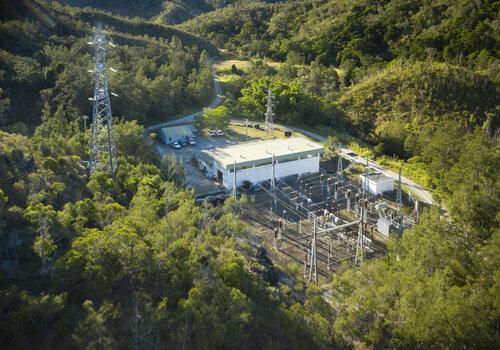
{"x": 131, "y": 262}
{"x": 45, "y": 59}
{"x": 88, "y": 261}
{"x": 162, "y": 11}
{"x": 357, "y": 33}
{"x": 415, "y": 80}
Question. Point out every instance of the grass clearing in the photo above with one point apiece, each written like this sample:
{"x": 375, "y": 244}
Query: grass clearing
{"x": 226, "y": 65}
{"x": 226, "y": 78}
{"x": 261, "y": 134}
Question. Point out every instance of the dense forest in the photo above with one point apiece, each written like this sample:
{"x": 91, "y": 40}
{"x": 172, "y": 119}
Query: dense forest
{"x": 92, "y": 262}
{"x": 45, "y": 59}
{"x": 162, "y": 11}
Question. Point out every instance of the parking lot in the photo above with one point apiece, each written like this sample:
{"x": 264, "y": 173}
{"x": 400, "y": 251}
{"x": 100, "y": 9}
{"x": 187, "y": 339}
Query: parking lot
{"x": 194, "y": 177}
{"x": 238, "y": 134}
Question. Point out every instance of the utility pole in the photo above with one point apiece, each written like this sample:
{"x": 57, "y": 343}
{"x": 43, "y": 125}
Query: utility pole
{"x": 366, "y": 186}
{"x": 234, "y": 181}
{"x": 313, "y": 266}
{"x": 102, "y": 141}
{"x": 339, "y": 163}
{"x": 246, "y": 129}
{"x": 399, "y": 200}
{"x": 269, "y": 111}
{"x": 273, "y": 181}
{"x": 85, "y": 117}
{"x": 360, "y": 242}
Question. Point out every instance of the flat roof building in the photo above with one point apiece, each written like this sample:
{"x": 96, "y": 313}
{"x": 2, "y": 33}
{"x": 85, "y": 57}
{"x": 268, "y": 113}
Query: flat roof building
{"x": 376, "y": 183}
{"x": 254, "y": 160}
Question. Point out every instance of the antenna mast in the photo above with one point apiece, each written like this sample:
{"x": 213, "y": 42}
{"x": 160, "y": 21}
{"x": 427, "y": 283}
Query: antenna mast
{"x": 269, "y": 110}
{"x": 102, "y": 141}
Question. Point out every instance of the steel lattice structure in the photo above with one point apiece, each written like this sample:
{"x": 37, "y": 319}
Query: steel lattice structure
{"x": 269, "y": 110}
{"x": 102, "y": 142}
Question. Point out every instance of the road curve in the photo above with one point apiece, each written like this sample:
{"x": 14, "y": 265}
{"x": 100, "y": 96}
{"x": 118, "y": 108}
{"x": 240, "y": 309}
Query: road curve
{"x": 190, "y": 117}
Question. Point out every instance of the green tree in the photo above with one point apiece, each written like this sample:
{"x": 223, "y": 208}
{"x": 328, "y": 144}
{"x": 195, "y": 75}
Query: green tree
{"x": 216, "y": 118}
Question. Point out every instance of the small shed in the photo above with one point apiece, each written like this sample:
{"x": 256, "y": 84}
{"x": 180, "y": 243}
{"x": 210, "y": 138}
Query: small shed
{"x": 376, "y": 183}
{"x": 171, "y": 134}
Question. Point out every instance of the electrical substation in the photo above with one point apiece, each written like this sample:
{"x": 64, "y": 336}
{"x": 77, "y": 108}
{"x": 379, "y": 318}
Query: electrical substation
{"x": 323, "y": 220}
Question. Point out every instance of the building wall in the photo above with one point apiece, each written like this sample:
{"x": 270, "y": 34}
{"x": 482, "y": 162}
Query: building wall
{"x": 379, "y": 187}
{"x": 259, "y": 174}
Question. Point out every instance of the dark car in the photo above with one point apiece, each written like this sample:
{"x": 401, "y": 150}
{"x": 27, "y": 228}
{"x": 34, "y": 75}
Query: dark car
{"x": 183, "y": 143}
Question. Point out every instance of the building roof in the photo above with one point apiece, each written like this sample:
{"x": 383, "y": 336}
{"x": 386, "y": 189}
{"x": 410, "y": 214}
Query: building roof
{"x": 175, "y": 133}
{"x": 377, "y": 177}
{"x": 262, "y": 151}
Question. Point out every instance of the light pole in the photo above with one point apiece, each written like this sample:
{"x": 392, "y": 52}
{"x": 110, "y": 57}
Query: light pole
{"x": 246, "y": 129}
{"x": 85, "y": 117}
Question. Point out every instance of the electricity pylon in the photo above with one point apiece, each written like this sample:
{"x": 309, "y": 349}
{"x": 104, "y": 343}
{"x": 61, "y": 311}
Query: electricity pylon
{"x": 269, "y": 110}
{"x": 102, "y": 141}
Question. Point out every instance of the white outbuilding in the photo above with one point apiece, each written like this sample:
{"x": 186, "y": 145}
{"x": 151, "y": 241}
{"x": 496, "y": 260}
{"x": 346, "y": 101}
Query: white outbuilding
{"x": 377, "y": 183}
{"x": 254, "y": 160}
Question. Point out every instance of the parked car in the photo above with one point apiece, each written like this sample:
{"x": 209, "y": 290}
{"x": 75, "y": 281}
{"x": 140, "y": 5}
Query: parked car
{"x": 211, "y": 133}
{"x": 192, "y": 142}
{"x": 219, "y": 132}
{"x": 176, "y": 145}
{"x": 229, "y": 131}
{"x": 183, "y": 143}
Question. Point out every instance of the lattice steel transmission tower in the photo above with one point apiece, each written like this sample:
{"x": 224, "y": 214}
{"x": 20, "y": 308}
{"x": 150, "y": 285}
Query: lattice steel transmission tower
{"x": 269, "y": 110}
{"x": 102, "y": 141}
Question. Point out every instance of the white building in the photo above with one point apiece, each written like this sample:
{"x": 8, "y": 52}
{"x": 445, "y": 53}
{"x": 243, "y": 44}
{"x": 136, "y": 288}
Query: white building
{"x": 254, "y": 160}
{"x": 377, "y": 183}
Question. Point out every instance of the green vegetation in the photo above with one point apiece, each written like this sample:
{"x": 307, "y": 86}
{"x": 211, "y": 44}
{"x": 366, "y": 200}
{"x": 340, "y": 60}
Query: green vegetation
{"x": 356, "y": 33}
{"x": 215, "y": 118}
{"x": 46, "y": 62}
{"x": 162, "y": 11}
{"x": 417, "y": 89}
{"x": 131, "y": 263}
{"x": 91, "y": 262}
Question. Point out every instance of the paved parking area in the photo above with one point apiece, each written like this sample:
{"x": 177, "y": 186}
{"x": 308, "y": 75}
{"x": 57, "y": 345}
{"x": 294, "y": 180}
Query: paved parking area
{"x": 196, "y": 178}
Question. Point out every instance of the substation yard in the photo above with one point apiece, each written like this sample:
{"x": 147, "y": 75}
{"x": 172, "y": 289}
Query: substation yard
{"x": 321, "y": 222}
{"x": 338, "y": 239}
